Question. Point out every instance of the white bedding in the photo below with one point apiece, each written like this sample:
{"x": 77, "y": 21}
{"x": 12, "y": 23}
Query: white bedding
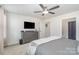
{"x": 31, "y": 48}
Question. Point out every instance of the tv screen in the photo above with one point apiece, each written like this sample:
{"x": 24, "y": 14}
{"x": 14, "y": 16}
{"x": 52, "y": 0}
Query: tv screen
{"x": 29, "y": 25}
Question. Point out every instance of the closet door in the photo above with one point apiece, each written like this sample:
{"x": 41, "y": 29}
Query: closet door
{"x": 72, "y": 30}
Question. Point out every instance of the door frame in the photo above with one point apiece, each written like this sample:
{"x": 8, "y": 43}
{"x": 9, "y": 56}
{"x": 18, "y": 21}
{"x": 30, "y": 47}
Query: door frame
{"x": 66, "y": 20}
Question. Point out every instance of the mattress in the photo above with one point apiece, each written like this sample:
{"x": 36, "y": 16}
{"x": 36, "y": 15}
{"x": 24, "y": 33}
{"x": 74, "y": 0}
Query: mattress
{"x": 61, "y": 46}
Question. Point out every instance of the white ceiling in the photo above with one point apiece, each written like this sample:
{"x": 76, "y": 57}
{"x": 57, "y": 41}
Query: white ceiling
{"x": 28, "y": 9}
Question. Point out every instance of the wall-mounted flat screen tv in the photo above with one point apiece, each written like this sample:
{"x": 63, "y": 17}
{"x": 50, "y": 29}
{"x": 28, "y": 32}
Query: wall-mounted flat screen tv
{"x": 29, "y": 25}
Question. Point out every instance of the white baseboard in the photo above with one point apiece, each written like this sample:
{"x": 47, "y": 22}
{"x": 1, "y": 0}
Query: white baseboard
{"x": 11, "y": 45}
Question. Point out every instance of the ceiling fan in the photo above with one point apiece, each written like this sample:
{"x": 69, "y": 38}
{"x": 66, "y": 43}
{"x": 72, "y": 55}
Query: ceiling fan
{"x": 45, "y": 10}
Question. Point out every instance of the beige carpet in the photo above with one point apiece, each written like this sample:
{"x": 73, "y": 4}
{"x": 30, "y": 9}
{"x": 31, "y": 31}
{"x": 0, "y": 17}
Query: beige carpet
{"x": 15, "y": 50}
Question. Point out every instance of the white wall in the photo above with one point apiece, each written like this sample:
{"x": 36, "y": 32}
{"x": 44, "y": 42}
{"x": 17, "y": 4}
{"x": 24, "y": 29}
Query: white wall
{"x": 56, "y": 23}
{"x": 15, "y": 23}
{"x": 54, "y": 26}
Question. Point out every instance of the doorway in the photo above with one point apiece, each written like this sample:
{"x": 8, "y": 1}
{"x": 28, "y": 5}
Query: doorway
{"x": 47, "y": 29}
{"x": 72, "y": 30}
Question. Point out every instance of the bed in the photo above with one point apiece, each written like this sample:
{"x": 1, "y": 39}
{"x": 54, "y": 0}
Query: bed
{"x": 61, "y": 46}
{"x": 31, "y": 47}
{"x": 53, "y": 46}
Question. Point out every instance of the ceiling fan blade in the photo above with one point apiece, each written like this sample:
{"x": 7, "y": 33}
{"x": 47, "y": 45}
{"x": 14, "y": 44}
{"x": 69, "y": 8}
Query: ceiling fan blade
{"x": 54, "y": 7}
{"x": 37, "y": 11}
{"x": 42, "y": 6}
{"x": 51, "y": 12}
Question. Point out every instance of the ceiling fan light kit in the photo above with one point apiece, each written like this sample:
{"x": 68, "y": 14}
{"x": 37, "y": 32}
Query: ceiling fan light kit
{"x": 45, "y": 12}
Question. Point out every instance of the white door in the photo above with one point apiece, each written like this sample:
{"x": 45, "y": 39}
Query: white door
{"x": 47, "y": 29}
{"x": 1, "y": 31}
